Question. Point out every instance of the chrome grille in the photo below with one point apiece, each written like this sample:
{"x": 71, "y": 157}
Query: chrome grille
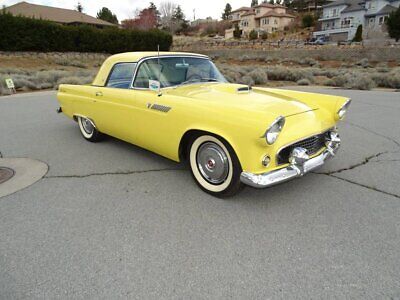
{"x": 312, "y": 145}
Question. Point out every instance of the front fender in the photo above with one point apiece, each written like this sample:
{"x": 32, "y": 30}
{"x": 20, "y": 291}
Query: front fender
{"x": 330, "y": 103}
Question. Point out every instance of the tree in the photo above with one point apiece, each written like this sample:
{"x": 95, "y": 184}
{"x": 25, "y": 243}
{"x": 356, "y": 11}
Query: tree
{"x": 287, "y": 3}
{"x": 178, "y": 14}
{"x": 254, "y": 3}
{"x": 153, "y": 7}
{"x": 178, "y": 18}
{"x": 79, "y": 7}
{"x": 271, "y": 2}
{"x": 167, "y": 10}
{"x": 106, "y": 15}
{"x": 237, "y": 33}
{"x": 145, "y": 19}
{"x": 308, "y": 20}
{"x": 227, "y": 12}
{"x": 358, "y": 36}
{"x": 393, "y": 24}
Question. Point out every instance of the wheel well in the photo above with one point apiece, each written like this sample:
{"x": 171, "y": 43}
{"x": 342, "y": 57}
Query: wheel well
{"x": 191, "y": 134}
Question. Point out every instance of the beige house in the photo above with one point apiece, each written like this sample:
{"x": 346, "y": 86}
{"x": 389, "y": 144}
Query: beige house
{"x": 55, "y": 14}
{"x": 261, "y": 18}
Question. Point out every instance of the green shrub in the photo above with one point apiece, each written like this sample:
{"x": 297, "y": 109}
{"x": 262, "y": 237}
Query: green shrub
{"x": 358, "y": 36}
{"x": 264, "y": 36}
{"x": 253, "y": 35}
{"x": 393, "y": 24}
{"x": 308, "y": 20}
{"x": 26, "y": 34}
{"x": 237, "y": 33}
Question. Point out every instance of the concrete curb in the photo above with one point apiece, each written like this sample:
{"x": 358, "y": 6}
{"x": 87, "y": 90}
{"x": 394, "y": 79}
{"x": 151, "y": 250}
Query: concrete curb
{"x": 27, "y": 172}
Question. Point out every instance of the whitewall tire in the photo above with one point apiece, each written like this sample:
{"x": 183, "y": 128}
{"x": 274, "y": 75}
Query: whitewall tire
{"x": 214, "y": 165}
{"x": 89, "y": 130}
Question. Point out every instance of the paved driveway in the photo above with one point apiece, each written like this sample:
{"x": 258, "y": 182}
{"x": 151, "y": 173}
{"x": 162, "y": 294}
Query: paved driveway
{"x": 111, "y": 220}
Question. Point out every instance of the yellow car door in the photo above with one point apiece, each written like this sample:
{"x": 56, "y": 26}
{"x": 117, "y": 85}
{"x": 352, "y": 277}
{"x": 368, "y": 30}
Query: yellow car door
{"x": 115, "y": 103}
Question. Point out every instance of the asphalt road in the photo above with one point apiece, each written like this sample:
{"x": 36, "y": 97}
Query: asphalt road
{"x": 111, "y": 220}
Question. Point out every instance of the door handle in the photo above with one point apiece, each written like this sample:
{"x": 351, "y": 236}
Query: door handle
{"x": 99, "y": 94}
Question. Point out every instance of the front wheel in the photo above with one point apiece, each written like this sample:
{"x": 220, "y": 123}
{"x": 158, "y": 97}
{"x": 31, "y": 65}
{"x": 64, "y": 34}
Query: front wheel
{"x": 215, "y": 166}
{"x": 89, "y": 130}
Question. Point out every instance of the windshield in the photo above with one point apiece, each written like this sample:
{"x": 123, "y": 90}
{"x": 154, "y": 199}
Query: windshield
{"x": 174, "y": 71}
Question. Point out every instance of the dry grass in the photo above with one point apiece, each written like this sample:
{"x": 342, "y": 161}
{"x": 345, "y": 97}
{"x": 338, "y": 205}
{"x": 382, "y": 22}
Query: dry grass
{"x": 40, "y": 80}
{"x": 362, "y": 77}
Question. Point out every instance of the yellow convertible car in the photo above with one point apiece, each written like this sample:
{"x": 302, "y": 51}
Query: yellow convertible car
{"x": 180, "y": 106}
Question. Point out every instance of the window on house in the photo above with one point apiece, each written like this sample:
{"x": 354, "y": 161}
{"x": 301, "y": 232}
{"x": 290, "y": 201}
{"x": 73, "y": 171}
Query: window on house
{"x": 275, "y": 21}
{"x": 381, "y": 20}
{"x": 257, "y": 11}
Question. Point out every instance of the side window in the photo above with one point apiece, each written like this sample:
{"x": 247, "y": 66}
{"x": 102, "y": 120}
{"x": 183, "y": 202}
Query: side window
{"x": 121, "y": 76}
{"x": 147, "y": 70}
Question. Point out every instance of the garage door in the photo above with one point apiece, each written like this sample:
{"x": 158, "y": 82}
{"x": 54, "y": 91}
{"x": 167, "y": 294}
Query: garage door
{"x": 336, "y": 37}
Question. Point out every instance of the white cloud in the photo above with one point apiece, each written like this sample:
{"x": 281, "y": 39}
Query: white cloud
{"x": 126, "y": 8}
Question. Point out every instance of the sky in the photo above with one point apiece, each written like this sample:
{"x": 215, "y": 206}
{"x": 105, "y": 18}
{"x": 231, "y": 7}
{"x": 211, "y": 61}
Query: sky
{"x": 126, "y": 8}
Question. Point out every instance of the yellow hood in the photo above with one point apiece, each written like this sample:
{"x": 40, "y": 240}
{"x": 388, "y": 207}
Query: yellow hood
{"x": 235, "y": 96}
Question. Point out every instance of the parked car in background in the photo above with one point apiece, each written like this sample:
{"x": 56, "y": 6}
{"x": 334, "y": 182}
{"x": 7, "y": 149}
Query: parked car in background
{"x": 180, "y": 106}
{"x": 316, "y": 41}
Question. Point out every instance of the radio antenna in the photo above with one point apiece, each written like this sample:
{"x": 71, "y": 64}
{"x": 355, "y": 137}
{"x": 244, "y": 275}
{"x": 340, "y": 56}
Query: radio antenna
{"x": 159, "y": 70}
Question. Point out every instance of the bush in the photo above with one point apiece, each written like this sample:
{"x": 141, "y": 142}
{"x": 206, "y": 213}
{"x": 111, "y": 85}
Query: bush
{"x": 26, "y": 34}
{"x": 359, "y": 81}
{"x": 363, "y": 63}
{"x": 358, "y": 36}
{"x": 253, "y": 35}
{"x": 264, "y": 36}
{"x": 246, "y": 80}
{"x": 303, "y": 82}
{"x": 237, "y": 33}
{"x": 308, "y": 20}
{"x": 393, "y": 24}
{"x": 259, "y": 76}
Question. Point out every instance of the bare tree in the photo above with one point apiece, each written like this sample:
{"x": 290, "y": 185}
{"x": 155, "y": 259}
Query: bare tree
{"x": 167, "y": 10}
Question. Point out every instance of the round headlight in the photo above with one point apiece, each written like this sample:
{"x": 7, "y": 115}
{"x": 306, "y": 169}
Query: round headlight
{"x": 343, "y": 110}
{"x": 271, "y": 135}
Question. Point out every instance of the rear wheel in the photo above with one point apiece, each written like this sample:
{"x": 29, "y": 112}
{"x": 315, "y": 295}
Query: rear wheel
{"x": 88, "y": 130}
{"x": 215, "y": 166}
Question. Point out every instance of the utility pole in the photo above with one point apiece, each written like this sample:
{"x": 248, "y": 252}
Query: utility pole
{"x": 194, "y": 14}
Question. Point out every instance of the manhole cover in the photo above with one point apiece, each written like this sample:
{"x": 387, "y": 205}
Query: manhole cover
{"x": 5, "y": 174}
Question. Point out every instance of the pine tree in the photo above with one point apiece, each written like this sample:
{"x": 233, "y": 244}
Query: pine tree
{"x": 106, "y": 15}
{"x": 227, "y": 12}
{"x": 393, "y": 24}
{"x": 358, "y": 36}
{"x": 254, "y": 3}
{"x": 79, "y": 7}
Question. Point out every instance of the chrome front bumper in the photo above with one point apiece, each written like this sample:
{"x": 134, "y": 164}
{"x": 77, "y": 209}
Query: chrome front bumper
{"x": 295, "y": 169}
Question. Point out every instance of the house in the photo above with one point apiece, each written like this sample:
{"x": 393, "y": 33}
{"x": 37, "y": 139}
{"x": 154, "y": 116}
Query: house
{"x": 341, "y": 18}
{"x": 57, "y": 15}
{"x": 264, "y": 17}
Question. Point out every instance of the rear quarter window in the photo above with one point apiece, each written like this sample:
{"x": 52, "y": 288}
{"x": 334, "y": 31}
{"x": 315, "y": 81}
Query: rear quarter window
{"x": 121, "y": 76}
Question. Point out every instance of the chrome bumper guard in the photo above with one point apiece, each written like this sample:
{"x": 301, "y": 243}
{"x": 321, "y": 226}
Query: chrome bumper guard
{"x": 300, "y": 164}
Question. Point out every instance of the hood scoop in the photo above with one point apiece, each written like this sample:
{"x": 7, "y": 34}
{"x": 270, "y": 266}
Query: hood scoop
{"x": 244, "y": 89}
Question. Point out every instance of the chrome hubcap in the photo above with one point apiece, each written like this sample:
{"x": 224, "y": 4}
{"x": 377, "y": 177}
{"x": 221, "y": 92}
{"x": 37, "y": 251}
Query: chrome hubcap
{"x": 87, "y": 126}
{"x": 212, "y": 162}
